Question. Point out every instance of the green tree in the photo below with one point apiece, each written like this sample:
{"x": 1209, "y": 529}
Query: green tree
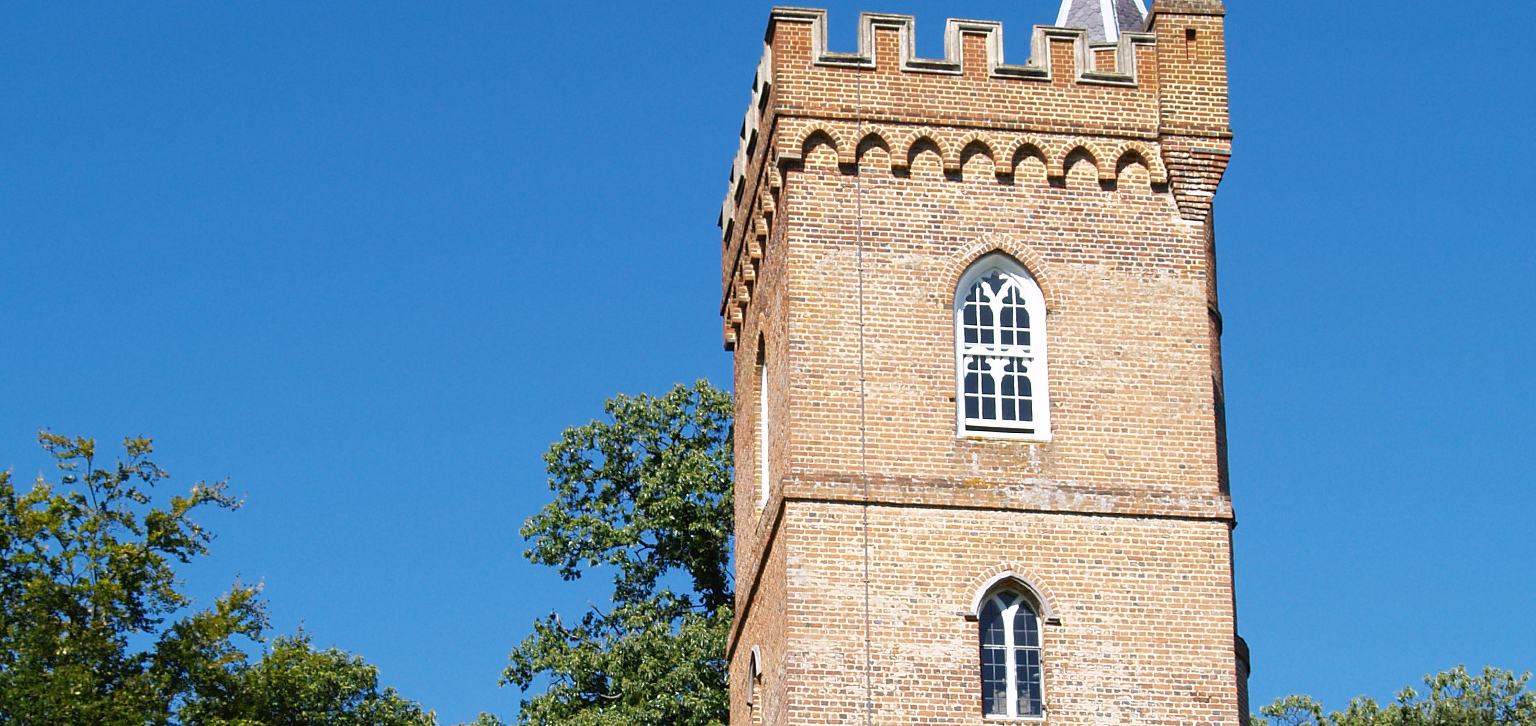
{"x": 295, "y": 685}
{"x": 1455, "y": 698}
{"x": 646, "y": 492}
{"x": 92, "y": 627}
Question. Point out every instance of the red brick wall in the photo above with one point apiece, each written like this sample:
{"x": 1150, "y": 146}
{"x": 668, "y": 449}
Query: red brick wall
{"x": 1102, "y": 189}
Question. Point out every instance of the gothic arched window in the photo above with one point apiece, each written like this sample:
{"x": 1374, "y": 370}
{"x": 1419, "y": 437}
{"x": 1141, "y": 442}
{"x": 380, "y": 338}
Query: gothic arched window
{"x": 1000, "y": 365}
{"x": 1010, "y": 656}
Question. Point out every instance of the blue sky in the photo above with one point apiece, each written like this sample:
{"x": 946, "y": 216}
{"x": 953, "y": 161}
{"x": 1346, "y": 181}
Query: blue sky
{"x": 367, "y": 260}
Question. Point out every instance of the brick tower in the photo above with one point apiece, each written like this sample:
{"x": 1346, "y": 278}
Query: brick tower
{"x": 980, "y": 434}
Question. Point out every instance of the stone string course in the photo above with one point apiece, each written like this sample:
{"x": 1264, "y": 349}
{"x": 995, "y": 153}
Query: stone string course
{"x": 1093, "y": 166}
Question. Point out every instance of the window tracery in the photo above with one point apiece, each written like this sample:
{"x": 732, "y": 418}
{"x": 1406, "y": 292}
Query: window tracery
{"x": 1000, "y": 351}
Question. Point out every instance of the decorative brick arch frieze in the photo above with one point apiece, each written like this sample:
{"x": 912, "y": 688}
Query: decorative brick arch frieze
{"x": 1008, "y": 245}
{"x": 879, "y": 134}
{"x": 818, "y": 135}
{"x": 917, "y": 136}
{"x": 1148, "y": 158}
{"x": 1025, "y": 146}
{"x": 1056, "y": 151}
{"x": 1064, "y": 151}
{"x": 1020, "y": 577}
{"x": 829, "y": 130}
{"x": 979, "y": 140}
{"x": 795, "y": 140}
{"x": 848, "y": 140}
{"x": 985, "y": 140}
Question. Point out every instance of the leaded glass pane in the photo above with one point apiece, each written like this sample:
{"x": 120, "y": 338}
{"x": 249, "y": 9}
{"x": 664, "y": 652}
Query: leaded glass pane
{"x": 992, "y": 625}
{"x": 972, "y": 395}
{"x": 994, "y": 681}
{"x": 1027, "y": 675}
{"x": 1026, "y": 628}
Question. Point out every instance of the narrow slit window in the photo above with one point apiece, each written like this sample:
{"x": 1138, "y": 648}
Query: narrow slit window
{"x": 764, "y": 482}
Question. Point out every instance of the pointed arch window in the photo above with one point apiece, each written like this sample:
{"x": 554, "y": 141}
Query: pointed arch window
{"x": 1010, "y": 656}
{"x": 1000, "y": 363}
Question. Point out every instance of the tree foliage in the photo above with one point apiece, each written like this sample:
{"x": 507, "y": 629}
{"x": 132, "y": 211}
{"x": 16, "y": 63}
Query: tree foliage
{"x": 1455, "y": 698}
{"x": 86, "y": 575}
{"x": 647, "y": 493}
{"x": 94, "y": 630}
{"x": 296, "y": 685}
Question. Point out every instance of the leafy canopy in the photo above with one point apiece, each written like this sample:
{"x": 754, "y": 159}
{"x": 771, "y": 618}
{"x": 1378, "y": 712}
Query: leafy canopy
{"x": 94, "y": 630}
{"x": 296, "y": 685}
{"x": 1455, "y": 698}
{"x": 86, "y": 575}
{"x": 646, "y": 492}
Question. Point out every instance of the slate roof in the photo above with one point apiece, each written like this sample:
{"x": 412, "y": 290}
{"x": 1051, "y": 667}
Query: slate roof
{"x": 1104, "y": 19}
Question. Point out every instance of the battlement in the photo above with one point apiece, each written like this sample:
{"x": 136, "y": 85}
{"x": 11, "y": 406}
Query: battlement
{"x": 1089, "y": 61}
{"x": 1158, "y": 95}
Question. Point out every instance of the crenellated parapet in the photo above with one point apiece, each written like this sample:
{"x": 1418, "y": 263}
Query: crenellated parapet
{"x": 1120, "y": 70}
{"x": 1155, "y": 99}
{"x": 1066, "y": 86}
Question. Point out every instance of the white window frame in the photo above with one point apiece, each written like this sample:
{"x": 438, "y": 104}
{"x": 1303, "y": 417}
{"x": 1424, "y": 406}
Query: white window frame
{"x": 1011, "y": 649}
{"x": 1035, "y": 354}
